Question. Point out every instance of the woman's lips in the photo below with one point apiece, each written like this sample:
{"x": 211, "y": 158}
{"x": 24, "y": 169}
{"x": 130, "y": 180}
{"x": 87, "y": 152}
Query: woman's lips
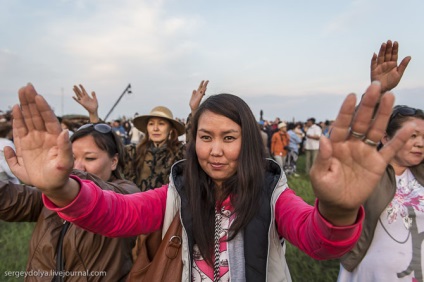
{"x": 217, "y": 165}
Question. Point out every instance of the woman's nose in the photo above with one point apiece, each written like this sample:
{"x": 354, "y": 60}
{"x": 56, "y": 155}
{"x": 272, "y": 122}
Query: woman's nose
{"x": 79, "y": 165}
{"x": 216, "y": 150}
{"x": 419, "y": 142}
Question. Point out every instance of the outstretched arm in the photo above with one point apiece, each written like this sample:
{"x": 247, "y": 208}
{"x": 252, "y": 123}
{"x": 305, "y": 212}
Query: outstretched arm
{"x": 385, "y": 68}
{"x": 45, "y": 150}
{"x": 348, "y": 166}
{"x": 89, "y": 103}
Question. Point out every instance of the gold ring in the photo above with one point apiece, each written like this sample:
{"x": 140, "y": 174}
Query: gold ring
{"x": 357, "y": 135}
{"x": 370, "y": 142}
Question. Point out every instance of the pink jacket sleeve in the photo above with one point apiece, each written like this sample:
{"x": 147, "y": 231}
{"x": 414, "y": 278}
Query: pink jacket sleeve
{"x": 112, "y": 214}
{"x": 303, "y": 226}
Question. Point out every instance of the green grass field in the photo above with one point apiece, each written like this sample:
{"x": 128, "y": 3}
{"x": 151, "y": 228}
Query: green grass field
{"x": 14, "y": 240}
{"x": 302, "y": 267}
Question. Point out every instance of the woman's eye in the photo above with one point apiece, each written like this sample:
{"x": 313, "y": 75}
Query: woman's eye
{"x": 229, "y": 138}
{"x": 205, "y": 137}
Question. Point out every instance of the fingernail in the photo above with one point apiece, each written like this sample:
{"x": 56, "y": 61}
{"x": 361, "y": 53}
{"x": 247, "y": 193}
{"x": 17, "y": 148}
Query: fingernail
{"x": 376, "y": 82}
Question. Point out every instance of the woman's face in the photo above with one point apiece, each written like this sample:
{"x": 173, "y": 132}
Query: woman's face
{"x": 158, "y": 129}
{"x": 90, "y": 158}
{"x": 412, "y": 153}
{"x": 218, "y": 145}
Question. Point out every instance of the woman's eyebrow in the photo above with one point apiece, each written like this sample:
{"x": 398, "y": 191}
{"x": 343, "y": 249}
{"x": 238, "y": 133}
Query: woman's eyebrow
{"x": 224, "y": 132}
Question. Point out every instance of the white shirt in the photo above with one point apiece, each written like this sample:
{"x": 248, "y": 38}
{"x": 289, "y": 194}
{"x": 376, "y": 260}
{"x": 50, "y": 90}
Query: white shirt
{"x": 397, "y": 234}
{"x": 5, "y": 172}
{"x": 312, "y": 144}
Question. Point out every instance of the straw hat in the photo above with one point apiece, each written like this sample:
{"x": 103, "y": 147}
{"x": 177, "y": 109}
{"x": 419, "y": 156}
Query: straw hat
{"x": 140, "y": 122}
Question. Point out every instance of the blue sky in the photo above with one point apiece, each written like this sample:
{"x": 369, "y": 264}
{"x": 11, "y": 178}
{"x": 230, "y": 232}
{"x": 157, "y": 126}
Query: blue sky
{"x": 292, "y": 59}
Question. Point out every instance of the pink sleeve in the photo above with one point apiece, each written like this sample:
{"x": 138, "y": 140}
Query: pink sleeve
{"x": 112, "y": 214}
{"x": 303, "y": 226}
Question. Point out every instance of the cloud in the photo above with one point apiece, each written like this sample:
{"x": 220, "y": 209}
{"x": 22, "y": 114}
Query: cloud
{"x": 135, "y": 30}
{"x": 98, "y": 43}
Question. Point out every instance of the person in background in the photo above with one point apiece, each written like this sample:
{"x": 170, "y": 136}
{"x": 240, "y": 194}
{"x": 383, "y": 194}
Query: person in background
{"x": 311, "y": 144}
{"x": 234, "y": 204}
{"x": 5, "y": 140}
{"x": 267, "y": 128}
{"x": 150, "y": 161}
{"x": 57, "y": 245}
{"x": 279, "y": 141}
{"x": 119, "y": 130}
{"x": 127, "y": 127}
{"x": 294, "y": 139}
{"x": 135, "y": 135}
{"x": 66, "y": 124}
{"x": 327, "y": 128}
{"x": 294, "y": 145}
{"x": 299, "y": 130}
{"x": 264, "y": 136}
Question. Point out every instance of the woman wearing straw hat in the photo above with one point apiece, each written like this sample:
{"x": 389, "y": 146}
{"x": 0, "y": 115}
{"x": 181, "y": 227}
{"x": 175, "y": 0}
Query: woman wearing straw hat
{"x": 149, "y": 162}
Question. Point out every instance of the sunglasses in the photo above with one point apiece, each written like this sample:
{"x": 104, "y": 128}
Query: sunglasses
{"x": 405, "y": 111}
{"x": 99, "y": 127}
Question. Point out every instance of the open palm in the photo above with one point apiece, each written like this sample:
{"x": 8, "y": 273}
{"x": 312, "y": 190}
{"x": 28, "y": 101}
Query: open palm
{"x": 348, "y": 166}
{"x": 384, "y": 67}
{"x": 45, "y": 150}
{"x": 81, "y": 97}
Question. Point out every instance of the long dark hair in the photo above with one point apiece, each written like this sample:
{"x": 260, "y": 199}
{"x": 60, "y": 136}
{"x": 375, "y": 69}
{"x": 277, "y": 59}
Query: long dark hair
{"x": 244, "y": 187}
{"x": 108, "y": 142}
{"x": 399, "y": 116}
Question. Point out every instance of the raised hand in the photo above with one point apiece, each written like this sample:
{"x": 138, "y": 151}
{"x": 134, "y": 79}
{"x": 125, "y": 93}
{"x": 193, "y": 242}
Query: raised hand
{"x": 89, "y": 103}
{"x": 348, "y": 166}
{"x": 197, "y": 96}
{"x": 384, "y": 67}
{"x": 45, "y": 150}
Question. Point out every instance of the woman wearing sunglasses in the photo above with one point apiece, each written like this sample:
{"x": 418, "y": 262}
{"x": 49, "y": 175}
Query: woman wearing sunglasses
{"x": 390, "y": 247}
{"x": 148, "y": 163}
{"x": 59, "y": 248}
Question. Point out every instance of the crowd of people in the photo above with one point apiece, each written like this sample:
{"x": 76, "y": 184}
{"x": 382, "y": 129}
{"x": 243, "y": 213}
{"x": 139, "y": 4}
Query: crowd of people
{"x": 96, "y": 189}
